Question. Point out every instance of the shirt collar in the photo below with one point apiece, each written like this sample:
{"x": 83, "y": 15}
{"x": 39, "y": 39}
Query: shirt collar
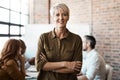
{"x": 54, "y": 35}
{"x": 90, "y": 53}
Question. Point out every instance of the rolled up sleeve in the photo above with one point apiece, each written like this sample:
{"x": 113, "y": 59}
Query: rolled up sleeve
{"x": 40, "y": 62}
{"x": 78, "y": 50}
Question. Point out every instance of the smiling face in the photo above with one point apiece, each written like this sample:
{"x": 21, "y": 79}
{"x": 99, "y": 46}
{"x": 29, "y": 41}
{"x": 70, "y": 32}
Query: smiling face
{"x": 60, "y": 15}
{"x": 60, "y": 18}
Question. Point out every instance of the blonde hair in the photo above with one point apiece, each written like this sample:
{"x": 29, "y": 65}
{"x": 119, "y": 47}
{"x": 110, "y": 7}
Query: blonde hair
{"x": 58, "y": 6}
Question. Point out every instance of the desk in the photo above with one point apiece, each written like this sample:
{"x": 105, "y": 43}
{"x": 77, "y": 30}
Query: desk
{"x": 31, "y": 73}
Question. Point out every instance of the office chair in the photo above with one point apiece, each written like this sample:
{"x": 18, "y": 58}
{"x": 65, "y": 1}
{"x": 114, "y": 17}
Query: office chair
{"x": 108, "y": 72}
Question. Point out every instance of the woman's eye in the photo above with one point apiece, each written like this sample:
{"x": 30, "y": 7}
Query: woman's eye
{"x": 65, "y": 14}
{"x": 57, "y": 14}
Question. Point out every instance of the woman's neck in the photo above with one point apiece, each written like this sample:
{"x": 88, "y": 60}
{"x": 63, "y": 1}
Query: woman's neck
{"x": 61, "y": 32}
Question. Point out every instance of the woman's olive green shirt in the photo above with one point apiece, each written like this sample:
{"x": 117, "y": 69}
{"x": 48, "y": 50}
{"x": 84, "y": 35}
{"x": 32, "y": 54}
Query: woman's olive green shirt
{"x": 56, "y": 50}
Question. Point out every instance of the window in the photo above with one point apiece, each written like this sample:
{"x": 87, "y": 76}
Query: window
{"x": 13, "y": 16}
{"x": 2, "y": 41}
{"x": 4, "y": 29}
{"x": 4, "y": 15}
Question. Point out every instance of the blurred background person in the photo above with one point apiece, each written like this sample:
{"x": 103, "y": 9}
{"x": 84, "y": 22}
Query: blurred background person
{"x": 93, "y": 67}
{"x": 11, "y": 62}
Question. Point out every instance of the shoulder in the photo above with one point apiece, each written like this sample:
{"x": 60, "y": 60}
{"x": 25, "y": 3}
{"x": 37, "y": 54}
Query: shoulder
{"x": 45, "y": 34}
{"x": 75, "y": 36}
{"x": 11, "y": 62}
{"x": 98, "y": 58}
{"x": 95, "y": 55}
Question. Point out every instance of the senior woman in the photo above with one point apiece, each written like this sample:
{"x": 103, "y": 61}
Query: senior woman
{"x": 59, "y": 53}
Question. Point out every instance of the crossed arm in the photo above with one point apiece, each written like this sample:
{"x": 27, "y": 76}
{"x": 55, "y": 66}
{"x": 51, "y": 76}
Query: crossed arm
{"x": 61, "y": 67}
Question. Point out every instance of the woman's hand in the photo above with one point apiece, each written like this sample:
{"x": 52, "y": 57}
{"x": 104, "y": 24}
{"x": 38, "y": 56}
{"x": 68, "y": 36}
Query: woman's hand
{"x": 69, "y": 67}
{"x": 74, "y": 65}
{"x": 43, "y": 57}
{"x": 22, "y": 63}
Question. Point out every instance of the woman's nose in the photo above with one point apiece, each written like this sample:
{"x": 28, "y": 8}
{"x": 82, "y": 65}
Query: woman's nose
{"x": 61, "y": 17}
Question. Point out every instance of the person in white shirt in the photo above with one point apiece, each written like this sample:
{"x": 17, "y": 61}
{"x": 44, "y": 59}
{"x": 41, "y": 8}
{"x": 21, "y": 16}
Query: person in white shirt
{"x": 30, "y": 62}
{"x": 93, "y": 67}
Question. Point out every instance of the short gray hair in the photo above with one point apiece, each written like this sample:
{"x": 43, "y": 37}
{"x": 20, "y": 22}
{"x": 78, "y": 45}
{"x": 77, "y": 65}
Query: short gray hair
{"x": 58, "y": 6}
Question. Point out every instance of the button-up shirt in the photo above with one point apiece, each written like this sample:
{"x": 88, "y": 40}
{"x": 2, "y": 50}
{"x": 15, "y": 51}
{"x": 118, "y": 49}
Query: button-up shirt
{"x": 93, "y": 66}
{"x": 67, "y": 49}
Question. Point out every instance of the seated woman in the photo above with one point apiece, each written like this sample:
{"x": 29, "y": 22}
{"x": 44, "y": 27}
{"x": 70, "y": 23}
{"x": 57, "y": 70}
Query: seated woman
{"x": 11, "y": 62}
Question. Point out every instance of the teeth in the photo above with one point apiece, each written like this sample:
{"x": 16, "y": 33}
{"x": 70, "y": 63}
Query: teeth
{"x": 61, "y": 22}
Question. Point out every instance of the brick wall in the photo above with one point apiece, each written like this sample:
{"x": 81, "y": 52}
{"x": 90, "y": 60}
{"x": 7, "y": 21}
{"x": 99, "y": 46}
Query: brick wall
{"x": 39, "y": 13}
{"x": 80, "y": 10}
{"x": 102, "y": 15}
{"x": 106, "y": 29}
{"x": 79, "y": 13}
